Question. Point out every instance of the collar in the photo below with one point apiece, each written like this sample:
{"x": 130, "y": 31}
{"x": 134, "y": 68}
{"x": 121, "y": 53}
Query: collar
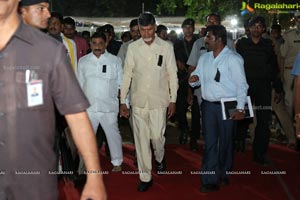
{"x": 224, "y": 51}
{"x": 24, "y": 33}
{"x": 156, "y": 42}
{"x": 103, "y": 56}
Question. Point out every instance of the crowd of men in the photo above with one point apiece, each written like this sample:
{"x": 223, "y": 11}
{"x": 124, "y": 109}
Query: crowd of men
{"x": 48, "y": 71}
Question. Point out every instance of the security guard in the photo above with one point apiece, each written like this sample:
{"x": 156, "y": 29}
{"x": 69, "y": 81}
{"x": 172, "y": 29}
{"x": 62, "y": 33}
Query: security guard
{"x": 289, "y": 50}
{"x": 35, "y": 13}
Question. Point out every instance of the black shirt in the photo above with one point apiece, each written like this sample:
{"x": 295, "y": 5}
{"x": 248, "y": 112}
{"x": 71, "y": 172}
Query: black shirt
{"x": 114, "y": 47}
{"x": 182, "y": 49}
{"x": 260, "y": 60}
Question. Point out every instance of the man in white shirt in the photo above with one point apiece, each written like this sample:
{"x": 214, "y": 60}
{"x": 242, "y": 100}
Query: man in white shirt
{"x": 135, "y": 35}
{"x": 220, "y": 73}
{"x": 100, "y": 76}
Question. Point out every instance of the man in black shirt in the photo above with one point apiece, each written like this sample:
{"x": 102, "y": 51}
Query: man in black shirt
{"x": 113, "y": 46}
{"x": 182, "y": 50}
{"x": 262, "y": 73}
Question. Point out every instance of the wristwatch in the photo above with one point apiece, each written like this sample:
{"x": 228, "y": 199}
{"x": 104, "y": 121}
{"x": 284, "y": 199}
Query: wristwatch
{"x": 241, "y": 111}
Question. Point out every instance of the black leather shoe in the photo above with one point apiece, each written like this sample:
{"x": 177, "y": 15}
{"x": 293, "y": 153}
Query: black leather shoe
{"x": 144, "y": 186}
{"x": 209, "y": 188}
{"x": 160, "y": 167}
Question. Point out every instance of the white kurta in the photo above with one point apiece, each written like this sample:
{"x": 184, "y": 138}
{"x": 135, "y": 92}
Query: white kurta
{"x": 100, "y": 79}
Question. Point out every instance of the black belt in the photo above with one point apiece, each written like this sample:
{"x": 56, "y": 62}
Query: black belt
{"x": 214, "y": 102}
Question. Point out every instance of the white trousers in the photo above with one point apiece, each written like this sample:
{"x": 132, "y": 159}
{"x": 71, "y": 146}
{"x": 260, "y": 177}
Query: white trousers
{"x": 109, "y": 123}
{"x": 148, "y": 125}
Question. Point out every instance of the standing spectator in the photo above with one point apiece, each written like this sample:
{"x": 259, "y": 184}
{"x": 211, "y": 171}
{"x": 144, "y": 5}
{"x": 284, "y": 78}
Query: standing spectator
{"x": 113, "y": 45}
{"x": 173, "y": 37}
{"x": 70, "y": 32}
{"x": 162, "y": 32}
{"x": 289, "y": 50}
{"x": 153, "y": 88}
{"x": 135, "y": 35}
{"x": 55, "y": 29}
{"x": 100, "y": 76}
{"x": 280, "y": 108}
{"x": 262, "y": 73}
{"x": 199, "y": 46}
{"x": 35, "y": 13}
{"x": 296, "y": 73}
{"x": 202, "y": 32}
{"x": 27, "y": 118}
{"x": 220, "y": 74}
{"x": 182, "y": 50}
{"x": 87, "y": 36}
{"x": 125, "y": 37}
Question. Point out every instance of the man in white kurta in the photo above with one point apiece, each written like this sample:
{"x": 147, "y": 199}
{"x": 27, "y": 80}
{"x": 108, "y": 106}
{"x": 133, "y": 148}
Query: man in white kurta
{"x": 151, "y": 74}
{"x": 100, "y": 76}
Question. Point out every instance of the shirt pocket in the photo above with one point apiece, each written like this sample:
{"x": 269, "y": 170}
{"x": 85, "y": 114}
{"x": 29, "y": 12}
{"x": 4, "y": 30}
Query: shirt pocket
{"x": 21, "y": 91}
{"x": 108, "y": 72}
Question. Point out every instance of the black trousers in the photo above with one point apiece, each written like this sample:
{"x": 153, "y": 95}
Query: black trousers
{"x": 182, "y": 105}
{"x": 196, "y": 120}
{"x": 260, "y": 92}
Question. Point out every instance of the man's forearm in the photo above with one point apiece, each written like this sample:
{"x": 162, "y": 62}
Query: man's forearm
{"x": 84, "y": 139}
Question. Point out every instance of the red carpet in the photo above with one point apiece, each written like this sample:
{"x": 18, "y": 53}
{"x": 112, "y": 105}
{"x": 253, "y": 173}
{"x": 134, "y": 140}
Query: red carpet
{"x": 186, "y": 185}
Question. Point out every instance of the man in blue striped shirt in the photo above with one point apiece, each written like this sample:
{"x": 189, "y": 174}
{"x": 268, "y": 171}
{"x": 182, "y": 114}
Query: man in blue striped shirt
{"x": 220, "y": 73}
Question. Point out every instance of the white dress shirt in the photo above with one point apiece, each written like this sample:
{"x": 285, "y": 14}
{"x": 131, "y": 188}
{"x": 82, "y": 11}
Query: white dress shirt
{"x": 232, "y": 81}
{"x": 101, "y": 85}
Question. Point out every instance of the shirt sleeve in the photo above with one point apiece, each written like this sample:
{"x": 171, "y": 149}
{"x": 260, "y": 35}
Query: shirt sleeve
{"x": 172, "y": 72}
{"x": 239, "y": 78}
{"x": 65, "y": 88}
{"x": 193, "y": 58}
{"x": 120, "y": 72}
{"x": 197, "y": 73}
{"x": 80, "y": 76}
{"x": 127, "y": 74}
{"x": 122, "y": 53}
{"x": 296, "y": 68}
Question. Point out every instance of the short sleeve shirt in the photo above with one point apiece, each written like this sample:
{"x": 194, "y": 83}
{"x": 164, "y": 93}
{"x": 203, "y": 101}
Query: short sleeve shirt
{"x": 27, "y": 133}
{"x": 290, "y": 47}
{"x": 296, "y": 69}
